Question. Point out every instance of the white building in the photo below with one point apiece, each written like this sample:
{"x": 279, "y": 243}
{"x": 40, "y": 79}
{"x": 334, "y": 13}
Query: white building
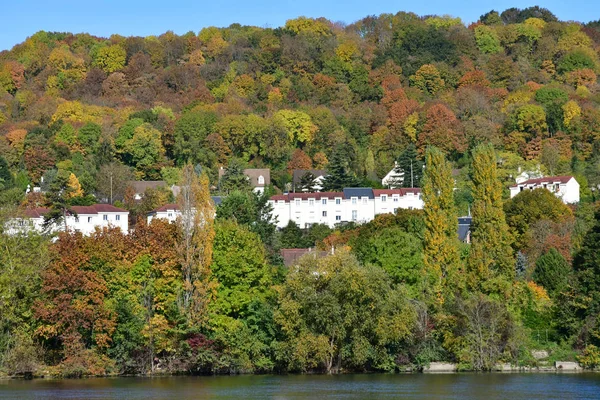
{"x": 85, "y": 220}
{"x": 564, "y": 187}
{"x": 171, "y": 212}
{"x": 358, "y": 205}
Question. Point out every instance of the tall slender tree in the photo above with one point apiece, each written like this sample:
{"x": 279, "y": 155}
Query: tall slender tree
{"x": 195, "y": 245}
{"x": 491, "y": 260}
{"x": 440, "y": 253}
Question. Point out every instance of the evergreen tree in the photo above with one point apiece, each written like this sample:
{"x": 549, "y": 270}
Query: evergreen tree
{"x": 6, "y": 179}
{"x": 586, "y": 266}
{"x": 552, "y": 272}
{"x": 307, "y": 182}
{"x": 292, "y": 237}
{"x": 412, "y": 167}
{"x": 57, "y": 200}
{"x": 234, "y": 178}
{"x": 440, "y": 253}
{"x": 491, "y": 262}
{"x": 339, "y": 175}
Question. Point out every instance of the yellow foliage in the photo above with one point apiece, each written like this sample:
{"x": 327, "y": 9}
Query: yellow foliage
{"x": 571, "y": 110}
{"x": 75, "y": 186}
{"x": 244, "y": 85}
{"x": 70, "y": 111}
{"x": 573, "y": 40}
{"x": 347, "y": 51}
{"x": 410, "y": 126}
{"x": 52, "y": 86}
{"x": 16, "y": 139}
{"x": 275, "y": 96}
{"x": 583, "y": 91}
{"x": 308, "y": 25}
{"x": 536, "y": 22}
{"x": 516, "y": 98}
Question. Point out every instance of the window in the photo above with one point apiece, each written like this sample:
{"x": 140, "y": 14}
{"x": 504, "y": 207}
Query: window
{"x": 261, "y": 180}
{"x": 383, "y": 198}
{"x": 365, "y": 200}
{"x": 169, "y": 215}
{"x": 354, "y": 215}
{"x": 324, "y": 213}
{"x": 105, "y": 217}
{"x": 556, "y": 187}
{"x": 297, "y": 202}
{"x": 324, "y": 201}
{"x": 76, "y": 219}
{"x": 338, "y": 201}
{"x": 354, "y": 200}
{"x": 311, "y": 202}
{"x": 89, "y": 220}
{"x": 118, "y": 217}
{"x": 338, "y": 217}
{"x": 395, "y": 199}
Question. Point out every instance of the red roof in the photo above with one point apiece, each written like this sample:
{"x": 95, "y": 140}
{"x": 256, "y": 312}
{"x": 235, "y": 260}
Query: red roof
{"x": 548, "y": 179}
{"x": 166, "y": 207}
{"x": 80, "y": 210}
{"x": 306, "y": 196}
{"x": 400, "y": 191}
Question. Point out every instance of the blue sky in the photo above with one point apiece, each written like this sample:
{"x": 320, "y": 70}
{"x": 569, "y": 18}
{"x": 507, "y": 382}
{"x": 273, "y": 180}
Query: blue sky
{"x": 21, "y": 19}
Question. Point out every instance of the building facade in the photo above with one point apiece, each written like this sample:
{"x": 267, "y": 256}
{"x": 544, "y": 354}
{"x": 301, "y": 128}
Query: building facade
{"x": 358, "y": 205}
{"x": 85, "y": 220}
{"x": 564, "y": 187}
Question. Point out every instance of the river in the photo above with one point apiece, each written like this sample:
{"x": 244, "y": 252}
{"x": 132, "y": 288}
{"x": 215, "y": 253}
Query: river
{"x": 376, "y": 386}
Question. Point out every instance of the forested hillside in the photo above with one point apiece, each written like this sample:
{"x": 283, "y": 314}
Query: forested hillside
{"x": 516, "y": 91}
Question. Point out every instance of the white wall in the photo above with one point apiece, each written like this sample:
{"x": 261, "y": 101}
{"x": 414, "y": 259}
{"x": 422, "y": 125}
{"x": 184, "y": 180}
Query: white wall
{"x": 84, "y": 223}
{"x": 568, "y": 192}
{"x": 307, "y": 211}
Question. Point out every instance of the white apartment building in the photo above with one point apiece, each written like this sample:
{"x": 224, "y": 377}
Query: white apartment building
{"x": 85, "y": 220}
{"x": 352, "y": 205}
{"x": 564, "y": 187}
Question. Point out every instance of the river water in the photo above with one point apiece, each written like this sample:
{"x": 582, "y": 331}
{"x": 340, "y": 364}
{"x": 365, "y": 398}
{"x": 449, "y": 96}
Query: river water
{"x": 376, "y": 386}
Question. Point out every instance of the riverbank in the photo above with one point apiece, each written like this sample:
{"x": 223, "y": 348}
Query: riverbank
{"x": 433, "y": 368}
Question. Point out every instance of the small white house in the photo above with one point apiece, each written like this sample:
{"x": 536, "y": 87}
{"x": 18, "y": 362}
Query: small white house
{"x": 85, "y": 219}
{"x": 169, "y": 212}
{"x": 564, "y": 187}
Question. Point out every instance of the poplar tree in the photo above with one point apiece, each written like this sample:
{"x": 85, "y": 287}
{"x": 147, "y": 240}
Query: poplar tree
{"x": 440, "y": 254}
{"x": 491, "y": 261}
{"x": 195, "y": 245}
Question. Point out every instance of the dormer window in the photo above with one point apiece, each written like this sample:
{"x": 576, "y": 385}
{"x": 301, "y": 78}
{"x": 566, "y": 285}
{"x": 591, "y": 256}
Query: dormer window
{"x": 105, "y": 217}
{"x": 383, "y": 198}
{"x": 261, "y": 180}
{"x": 297, "y": 202}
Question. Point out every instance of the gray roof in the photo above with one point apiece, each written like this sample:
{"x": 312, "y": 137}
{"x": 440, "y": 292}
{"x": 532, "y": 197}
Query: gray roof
{"x": 464, "y": 227}
{"x": 253, "y": 174}
{"x": 358, "y": 192}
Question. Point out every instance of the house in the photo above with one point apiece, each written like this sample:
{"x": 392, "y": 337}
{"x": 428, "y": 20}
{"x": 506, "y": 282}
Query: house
{"x": 393, "y": 179}
{"x": 258, "y": 178}
{"x": 140, "y": 187}
{"x": 464, "y": 229}
{"x": 291, "y": 256}
{"x": 564, "y": 187}
{"x": 85, "y": 220}
{"x": 358, "y": 205}
{"x": 298, "y": 174}
{"x": 170, "y": 212}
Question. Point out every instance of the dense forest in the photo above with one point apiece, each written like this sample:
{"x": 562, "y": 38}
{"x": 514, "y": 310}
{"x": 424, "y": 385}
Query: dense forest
{"x": 80, "y": 116}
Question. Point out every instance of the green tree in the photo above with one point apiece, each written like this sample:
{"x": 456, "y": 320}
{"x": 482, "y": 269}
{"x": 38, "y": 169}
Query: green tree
{"x": 234, "y": 178}
{"x": 307, "y": 182}
{"x": 491, "y": 262}
{"x": 110, "y": 58}
{"x": 487, "y": 40}
{"x": 334, "y": 313}
{"x": 531, "y": 206}
{"x": 411, "y": 166}
{"x": 440, "y": 253}
{"x": 339, "y": 175}
{"x": 145, "y": 150}
{"x": 58, "y": 202}
{"x": 552, "y": 272}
